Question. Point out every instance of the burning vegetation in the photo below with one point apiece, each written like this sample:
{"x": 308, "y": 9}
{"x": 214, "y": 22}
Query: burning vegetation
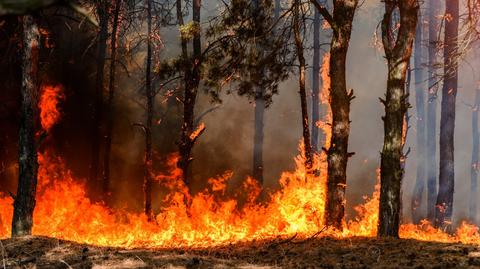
{"x": 248, "y": 48}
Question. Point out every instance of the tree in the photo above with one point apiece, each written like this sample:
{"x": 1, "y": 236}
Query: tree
{"x": 149, "y": 95}
{"x": 111, "y": 95}
{"x": 316, "y": 87}
{"x": 190, "y": 132}
{"x": 337, "y": 155}
{"x": 24, "y": 203}
{"x": 398, "y": 50}
{"x": 475, "y": 162}
{"x": 97, "y": 109}
{"x": 446, "y": 182}
{"x": 297, "y": 18}
{"x": 420, "y": 109}
{"x": 431, "y": 154}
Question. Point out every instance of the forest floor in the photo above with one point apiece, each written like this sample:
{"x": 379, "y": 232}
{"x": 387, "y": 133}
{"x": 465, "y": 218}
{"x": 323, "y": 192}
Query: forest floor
{"x": 40, "y": 253}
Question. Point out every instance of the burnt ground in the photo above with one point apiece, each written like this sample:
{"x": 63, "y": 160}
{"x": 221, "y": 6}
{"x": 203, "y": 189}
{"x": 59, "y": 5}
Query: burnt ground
{"x": 39, "y": 252}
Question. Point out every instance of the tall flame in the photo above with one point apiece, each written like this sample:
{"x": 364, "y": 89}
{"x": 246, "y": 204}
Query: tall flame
{"x": 48, "y": 105}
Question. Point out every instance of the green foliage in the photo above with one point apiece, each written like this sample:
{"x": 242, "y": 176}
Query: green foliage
{"x": 245, "y": 51}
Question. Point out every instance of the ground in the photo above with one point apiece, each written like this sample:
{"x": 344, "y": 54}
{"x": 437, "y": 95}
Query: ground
{"x": 40, "y": 252}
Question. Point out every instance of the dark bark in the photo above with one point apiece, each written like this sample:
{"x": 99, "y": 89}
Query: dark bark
{"x": 111, "y": 95}
{"x": 192, "y": 81}
{"x": 398, "y": 50}
{"x": 24, "y": 203}
{"x": 472, "y": 207}
{"x": 431, "y": 155}
{"x": 446, "y": 182}
{"x": 316, "y": 87}
{"x": 147, "y": 181}
{"x": 340, "y": 98}
{"x": 301, "y": 84}
{"x": 97, "y": 110}
{"x": 420, "y": 90}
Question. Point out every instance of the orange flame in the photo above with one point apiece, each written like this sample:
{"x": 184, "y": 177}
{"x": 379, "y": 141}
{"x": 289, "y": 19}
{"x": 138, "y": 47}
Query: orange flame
{"x": 63, "y": 211}
{"x": 48, "y": 105}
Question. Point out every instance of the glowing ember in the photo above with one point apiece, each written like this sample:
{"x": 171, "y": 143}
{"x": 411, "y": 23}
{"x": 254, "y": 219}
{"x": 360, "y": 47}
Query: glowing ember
{"x": 48, "y": 105}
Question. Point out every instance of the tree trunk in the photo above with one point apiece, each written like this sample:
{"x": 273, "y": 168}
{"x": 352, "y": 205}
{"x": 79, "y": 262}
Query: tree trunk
{"x": 259, "y": 122}
{"x": 474, "y": 164}
{"x": 111, "y": 95}
{"x": 316, "y": 88}
{"x": 417, "y": 196}
{"x": 301, "y": 84}
{"x": 398, "y": 52}
{"x": 444, "y": 205}
{"x": 97, "y": 110}
{"x": 147, "y": 183}
{"x": 192, "y": 81}
{"x": 337, "y": 154}
{"x": 431, "y": 156}
{"x": 24, "y": 204}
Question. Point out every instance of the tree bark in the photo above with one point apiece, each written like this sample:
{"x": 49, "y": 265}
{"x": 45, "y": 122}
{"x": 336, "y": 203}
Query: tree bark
{"x": 398, "y": 51}
{"x": 431, "y": 156}
{"x": 24, "y": 203}
{"x": 111, "y": 95}
{"x": 192, "y": 81}
{"x": 97, "y": 110}
{"x": 301, "y": 84}
{"x": 340, "y": 98}
{"x": 419, "y": 188}
{"x": 446, "y": 182}
{"x": 147, "y": 182}
{"x": 472, "y": 207}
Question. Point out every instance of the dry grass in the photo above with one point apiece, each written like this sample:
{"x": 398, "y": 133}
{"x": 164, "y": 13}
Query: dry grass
{"x": 292, "y": 252}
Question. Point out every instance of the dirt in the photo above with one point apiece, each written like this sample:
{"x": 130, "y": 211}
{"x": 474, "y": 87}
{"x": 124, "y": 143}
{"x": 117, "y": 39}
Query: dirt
{"x": 40, "y": 252}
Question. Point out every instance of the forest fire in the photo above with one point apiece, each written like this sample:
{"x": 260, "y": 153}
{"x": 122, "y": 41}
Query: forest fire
{"x": 231, "y": 134}
{"x": 64, "y": 211}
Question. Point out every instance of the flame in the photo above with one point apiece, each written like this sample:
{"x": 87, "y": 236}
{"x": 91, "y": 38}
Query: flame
{"x": 64, "y": 211}
{"x": 48, "y": 105}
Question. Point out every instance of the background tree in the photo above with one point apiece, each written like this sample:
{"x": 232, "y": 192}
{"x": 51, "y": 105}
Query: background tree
{"x": 24, "y": 203}
{"x": 472, "y": 206}
{"x": 110, "y": 99}
{"x": 420, "y": 90}
{"x": 431, "y": 154}
{"x": 97, "y": 107}
{"x": 297, "y": 23}
{"x": 446, "y": 182}
{"x": 337, "y": 155}
{"x": 398, "y": 50}
{"x": 317, "y": 139}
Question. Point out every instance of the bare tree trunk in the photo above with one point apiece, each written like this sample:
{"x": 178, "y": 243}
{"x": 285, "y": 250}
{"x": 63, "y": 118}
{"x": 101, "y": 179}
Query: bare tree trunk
{"x": 316, "y": 88}
{"x": 301, "y": 84}
{"x": 111, "y": 95}
{"x": 340, "y": 98}
{"x": 24, "y": 204}
{"x": 474, "y": 164}
{"x": 417, "y": 196}
{"x": 97, "y": 110}
{"x": 398, "y": 51}
{"x": 147, "y": 184}
{"x": 444, "y": 205}
{"x": 192, "y": 79}
{"x": 431, "y": 156}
